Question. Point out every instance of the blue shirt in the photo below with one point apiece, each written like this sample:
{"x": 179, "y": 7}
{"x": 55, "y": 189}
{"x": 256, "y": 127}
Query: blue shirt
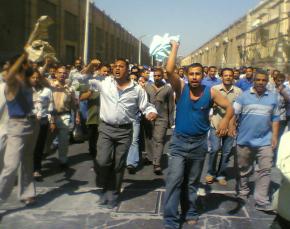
{"x": 244, "y": 84}
{"x": 192, "y": 116}
{"x": 209, "y": 82}
{"x": 22, "y": 104}
{"x": 255, "y": 115}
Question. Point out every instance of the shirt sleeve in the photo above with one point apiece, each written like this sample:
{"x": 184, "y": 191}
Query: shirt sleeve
{"x": 95, "y": 84}
{"x": 238, "y": 105}
{"x": 276, "y": 111}
{"x": 144, "y": 106}
{"x": 51, "y": 103}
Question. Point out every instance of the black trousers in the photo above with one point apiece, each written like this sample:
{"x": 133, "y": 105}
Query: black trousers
{"x": 40, "y": 144}
{"x": 112, "y": 147}
{"x": 93, "y": 134}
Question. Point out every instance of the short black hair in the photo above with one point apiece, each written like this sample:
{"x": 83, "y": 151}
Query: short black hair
{"x": 157, "y": 69}
{"x": 261, "y": 72}
{"x": 134, "y": 67}
{"x": 123, "y": 60}
{"x": 226, "y": 69}
{"x": 194, "y": 65}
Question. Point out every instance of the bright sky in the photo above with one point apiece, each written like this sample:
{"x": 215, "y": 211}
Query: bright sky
{"x": 196, "y": 21}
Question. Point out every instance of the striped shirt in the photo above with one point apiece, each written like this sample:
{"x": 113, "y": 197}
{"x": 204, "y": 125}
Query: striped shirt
{"x": 255, "y": 115}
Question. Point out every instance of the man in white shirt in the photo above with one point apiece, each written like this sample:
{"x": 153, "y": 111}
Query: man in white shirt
{"x": 120, "y": 101}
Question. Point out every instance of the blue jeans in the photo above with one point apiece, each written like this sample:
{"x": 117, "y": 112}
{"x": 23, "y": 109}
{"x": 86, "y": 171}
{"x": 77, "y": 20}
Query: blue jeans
{"x": 133, "y": 154}
{"x": 219, "y": 143}
{"x": 185, "y": 165}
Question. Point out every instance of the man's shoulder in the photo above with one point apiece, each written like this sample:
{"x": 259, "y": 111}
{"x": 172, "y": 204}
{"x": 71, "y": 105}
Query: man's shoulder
{"x": 217, "y": 87}
{"x": 237, "y": 90}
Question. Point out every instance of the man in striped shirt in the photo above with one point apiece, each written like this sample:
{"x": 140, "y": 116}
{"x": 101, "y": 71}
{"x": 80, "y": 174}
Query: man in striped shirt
{"x": 258, "y": 125}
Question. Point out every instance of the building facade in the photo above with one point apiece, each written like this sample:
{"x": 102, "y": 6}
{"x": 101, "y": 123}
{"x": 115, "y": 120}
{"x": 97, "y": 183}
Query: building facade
{"x": 261, "y": 39}
{"x": 108, "y": 40}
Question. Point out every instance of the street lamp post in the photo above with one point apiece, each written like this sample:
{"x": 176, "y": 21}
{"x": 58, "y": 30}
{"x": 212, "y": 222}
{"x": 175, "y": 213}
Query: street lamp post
{"x": 140, "y": 47}
{"x": 86, "y": 38}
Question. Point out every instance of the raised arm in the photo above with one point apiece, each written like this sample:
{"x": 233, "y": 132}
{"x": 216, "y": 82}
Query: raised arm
{"x": 13, "y": 70}
{"x": 174, "y": 78}
{"x": 90, "y": 67}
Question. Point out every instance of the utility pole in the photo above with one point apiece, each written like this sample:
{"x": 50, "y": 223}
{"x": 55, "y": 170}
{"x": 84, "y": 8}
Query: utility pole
{"x": 86, "y": 38}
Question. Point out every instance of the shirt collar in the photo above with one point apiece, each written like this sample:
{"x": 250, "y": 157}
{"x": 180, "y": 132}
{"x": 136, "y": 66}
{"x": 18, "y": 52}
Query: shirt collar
{"x": 252, "y": 91}
{"x": 129, "y": 86}
{"x": 223, "y": 88}
{"x": 211, "y": 79}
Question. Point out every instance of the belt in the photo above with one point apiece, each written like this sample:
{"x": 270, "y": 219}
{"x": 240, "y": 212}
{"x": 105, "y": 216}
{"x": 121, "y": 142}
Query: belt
{"x": 126, "y": 125}
{"x": 30, "y": 117}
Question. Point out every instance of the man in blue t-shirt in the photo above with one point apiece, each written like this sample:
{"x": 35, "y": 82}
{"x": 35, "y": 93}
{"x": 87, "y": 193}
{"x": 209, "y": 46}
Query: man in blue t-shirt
{"x": 188, "y": 145}
{"x": 211, "y": 80}
{"x": 247, "y": 82}
{"x": 258, "y": 124}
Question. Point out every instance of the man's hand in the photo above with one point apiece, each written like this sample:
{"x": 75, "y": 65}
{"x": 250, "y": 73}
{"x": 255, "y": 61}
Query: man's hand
{"x": 78, "y": 119}
{"x": 274, "y": 142}
{"x": 174, "y": 43}
{"x": 151, "y": 116}
{"x": 232, "y": 132}
{"x": 52, "y": 127}
{"x": 222, "y": 128}
{"x": 95, "y": 62}
{"x": 48, "y": 61}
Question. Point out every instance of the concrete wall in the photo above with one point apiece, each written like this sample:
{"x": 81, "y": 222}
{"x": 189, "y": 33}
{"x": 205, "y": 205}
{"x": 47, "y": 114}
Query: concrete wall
{"x": 260, "y": 38}
{"x": 108, "y": 39}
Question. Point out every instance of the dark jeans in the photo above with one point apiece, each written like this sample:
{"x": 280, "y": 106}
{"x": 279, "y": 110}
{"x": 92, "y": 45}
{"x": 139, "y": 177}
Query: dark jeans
{"x": 93, "y": 134}
{"x": 112, "y": 147}
{"x": 185, "y": 165}
{"x": 224, "y": 144}
{"x": 40, "y": 144}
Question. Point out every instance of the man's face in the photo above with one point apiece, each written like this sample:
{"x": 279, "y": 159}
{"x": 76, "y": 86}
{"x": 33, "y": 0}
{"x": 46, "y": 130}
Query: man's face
{"x": 249, "y": 73}
{"x": 236, "y": 75}
{"x": 78, "y": 65}
{"x": 260, "y": 83}
{"x": 5, "y": 69}
{"x": 195, "y": 76}
{"x": 279, "y": 80}
{"x": 275, "y": 74}
{"x": 133, "y": 77}
{"x": 205, "y": 70}
{"x": 104, "y": 71}
{"x": 158, "y": 77}
{"x": 61, "y": 75}
{"x": 52, "y": 72}
{"x": 181, "y": 72}
{"x": 228, "y": 77}
{"x": 212, "y": 72}
{"x": 146, "y": 74}
{"x": 34, "y": 79}
{"x": 120, "y": 70}
{"x": 142, "y": 82}
{"x": 165, "y": 75}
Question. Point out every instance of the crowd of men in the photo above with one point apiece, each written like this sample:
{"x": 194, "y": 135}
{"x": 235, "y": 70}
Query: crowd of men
{"x": 125, "y": 111}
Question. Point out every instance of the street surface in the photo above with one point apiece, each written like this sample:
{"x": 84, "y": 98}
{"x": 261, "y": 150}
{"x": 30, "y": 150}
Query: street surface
{"x": 67, "y": 200}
